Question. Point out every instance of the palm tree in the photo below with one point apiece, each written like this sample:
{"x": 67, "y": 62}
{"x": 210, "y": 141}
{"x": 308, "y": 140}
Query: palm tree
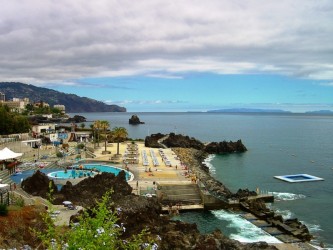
{"x": 97, "y": 126}
{"x": 119, "y": 134}
{"x": 104, "y": 125}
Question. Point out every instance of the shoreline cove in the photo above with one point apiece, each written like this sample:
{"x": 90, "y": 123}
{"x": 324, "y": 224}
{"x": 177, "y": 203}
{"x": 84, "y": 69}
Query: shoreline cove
{"x": 199, "y": 167}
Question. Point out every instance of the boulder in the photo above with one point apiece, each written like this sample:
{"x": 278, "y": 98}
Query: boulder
{"x": 134, "y": 120}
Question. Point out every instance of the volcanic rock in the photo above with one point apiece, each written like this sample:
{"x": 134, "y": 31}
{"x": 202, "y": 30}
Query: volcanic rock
{"x": 88, "y": 190}
{"x": 134, "y": 120}
{"x": 152, "y": 140}
{"x": 38, "y": 185}
{"x": 225, "y": 147}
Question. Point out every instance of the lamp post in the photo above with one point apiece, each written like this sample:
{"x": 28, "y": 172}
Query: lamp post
{"x": 38, "y": 145}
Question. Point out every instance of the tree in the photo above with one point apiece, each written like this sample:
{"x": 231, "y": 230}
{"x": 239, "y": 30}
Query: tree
{"x": 11, "y": 123}
{"x": 97, "y": 126}
{"x": 97, "y": 228}
{"x": 82, "y": 125}
{"x": 104, "y": 125}
{"x": 119, "y": 134}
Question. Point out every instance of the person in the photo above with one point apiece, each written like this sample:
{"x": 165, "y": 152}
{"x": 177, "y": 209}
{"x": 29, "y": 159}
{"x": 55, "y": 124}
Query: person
{"x": 14, "y": 186}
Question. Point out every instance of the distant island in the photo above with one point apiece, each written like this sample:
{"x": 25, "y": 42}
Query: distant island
{"x": 320, "y": 112}
{"x": 276, "y": 111}
{"x": 247, "y": 110}
{"x": 72, "y": 102}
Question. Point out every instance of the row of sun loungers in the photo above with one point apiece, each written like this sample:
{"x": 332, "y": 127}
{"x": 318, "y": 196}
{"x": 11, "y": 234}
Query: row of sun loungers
{"x": 153, "y": 156}
{"x": 131, "y": 154}
{"x": 164, "y": 158}
{"x": 145, "y": 161}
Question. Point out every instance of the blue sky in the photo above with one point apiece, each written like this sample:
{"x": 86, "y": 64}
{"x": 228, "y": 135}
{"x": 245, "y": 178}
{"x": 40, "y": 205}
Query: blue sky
{"x": 188, "y": 55}
{"x": 202, "y": 92}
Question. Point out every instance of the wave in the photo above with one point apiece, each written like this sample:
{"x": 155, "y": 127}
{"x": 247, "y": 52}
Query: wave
{"x": 208, "y": 163}
{"x": 246, "y": 231}
{"x": 312, "y": 227}
{"x": 287, "y": 196}
{"x": 286, "y": 214}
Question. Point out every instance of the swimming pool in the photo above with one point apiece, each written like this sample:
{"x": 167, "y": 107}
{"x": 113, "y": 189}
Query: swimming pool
{"x": 27, "y": 173}
{"x": 88, "y": 170}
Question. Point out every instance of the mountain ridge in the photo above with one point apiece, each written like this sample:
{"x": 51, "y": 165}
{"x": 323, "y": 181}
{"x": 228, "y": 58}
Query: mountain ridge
{"x": 72, "y": 102}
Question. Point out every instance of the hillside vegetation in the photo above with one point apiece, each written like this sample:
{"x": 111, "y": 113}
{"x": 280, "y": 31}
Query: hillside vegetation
{"x": 72, "y": 102}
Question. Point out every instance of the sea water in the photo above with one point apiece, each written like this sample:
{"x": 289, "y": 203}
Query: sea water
{"x": 278, "y": 144}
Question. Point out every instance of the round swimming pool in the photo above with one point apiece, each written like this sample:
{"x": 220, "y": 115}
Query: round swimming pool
{"x": 87, "y": 170}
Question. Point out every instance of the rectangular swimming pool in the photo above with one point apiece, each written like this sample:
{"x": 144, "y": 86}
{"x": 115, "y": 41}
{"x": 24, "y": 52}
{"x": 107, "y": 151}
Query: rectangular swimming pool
{"x": 298, "y": 178}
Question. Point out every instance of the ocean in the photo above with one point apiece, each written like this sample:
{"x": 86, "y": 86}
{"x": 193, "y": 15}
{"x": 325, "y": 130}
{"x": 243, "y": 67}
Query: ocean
{"x": 278, "y": 144}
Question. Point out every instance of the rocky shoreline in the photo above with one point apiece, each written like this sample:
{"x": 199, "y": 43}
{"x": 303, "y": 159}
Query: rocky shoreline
{"x": 136, "y": 213}
{"x": 194, "y": 159}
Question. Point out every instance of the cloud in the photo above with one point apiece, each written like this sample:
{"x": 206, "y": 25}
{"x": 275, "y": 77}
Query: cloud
{"x": 51, "y": 41}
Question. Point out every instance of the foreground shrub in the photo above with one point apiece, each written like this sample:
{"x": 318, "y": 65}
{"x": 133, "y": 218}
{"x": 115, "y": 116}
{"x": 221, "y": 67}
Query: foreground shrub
{"x": 96, "y": 229}
{"x": 3, "y": 209}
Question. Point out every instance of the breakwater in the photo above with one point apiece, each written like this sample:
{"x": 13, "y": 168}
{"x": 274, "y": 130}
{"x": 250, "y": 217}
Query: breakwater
{"x": 289, "y": 231}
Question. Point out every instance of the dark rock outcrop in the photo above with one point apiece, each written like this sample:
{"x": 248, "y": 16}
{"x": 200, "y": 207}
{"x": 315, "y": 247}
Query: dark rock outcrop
{"x": 182, "y": 141}
{"x": 134, "y": 120}
{"x": 172, "y": 141}
{"x": 76, "y": 119}
{"x": 152, "y": 140}
{"x": 225, "y": 147}
{"x": 243, "y": 193}
{"x": 38, "y": 185}
{"x": 90, "y": 189}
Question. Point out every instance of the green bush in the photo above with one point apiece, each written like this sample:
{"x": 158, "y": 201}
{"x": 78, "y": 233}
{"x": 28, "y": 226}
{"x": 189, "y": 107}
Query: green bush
{"x": 95, "y": 230}
{"x": 60, "y": 155}
{"x": 17, "y": 200}
{"x": 3, "y": 209}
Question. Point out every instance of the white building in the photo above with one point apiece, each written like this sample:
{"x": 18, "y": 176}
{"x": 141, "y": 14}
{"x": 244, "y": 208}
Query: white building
{"x": 45, "y": 128}
{"x": 62, "y": 108}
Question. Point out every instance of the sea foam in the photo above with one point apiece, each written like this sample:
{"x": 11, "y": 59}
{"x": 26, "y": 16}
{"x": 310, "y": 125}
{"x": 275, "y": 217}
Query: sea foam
{"x": 208, "y": 163}
{"x": 246, "y": 231}
{"x": 287, "y": 196}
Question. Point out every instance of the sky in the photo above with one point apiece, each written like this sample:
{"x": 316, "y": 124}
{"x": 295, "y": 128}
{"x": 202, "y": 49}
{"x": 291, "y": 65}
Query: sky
{"x": 185, "y": 55}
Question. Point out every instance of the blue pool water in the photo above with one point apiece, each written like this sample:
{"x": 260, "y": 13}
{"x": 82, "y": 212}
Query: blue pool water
{"x": 25, "y": 174}
{"x": 71, "y": 174}
{"x": 92, "y": 169}
{"x": 18, "y": 178}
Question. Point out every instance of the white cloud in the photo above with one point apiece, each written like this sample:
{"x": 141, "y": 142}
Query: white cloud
{"x": 52, "y": 41}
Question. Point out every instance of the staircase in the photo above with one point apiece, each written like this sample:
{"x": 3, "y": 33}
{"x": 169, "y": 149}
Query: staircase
{"x": 188, "y": 194}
